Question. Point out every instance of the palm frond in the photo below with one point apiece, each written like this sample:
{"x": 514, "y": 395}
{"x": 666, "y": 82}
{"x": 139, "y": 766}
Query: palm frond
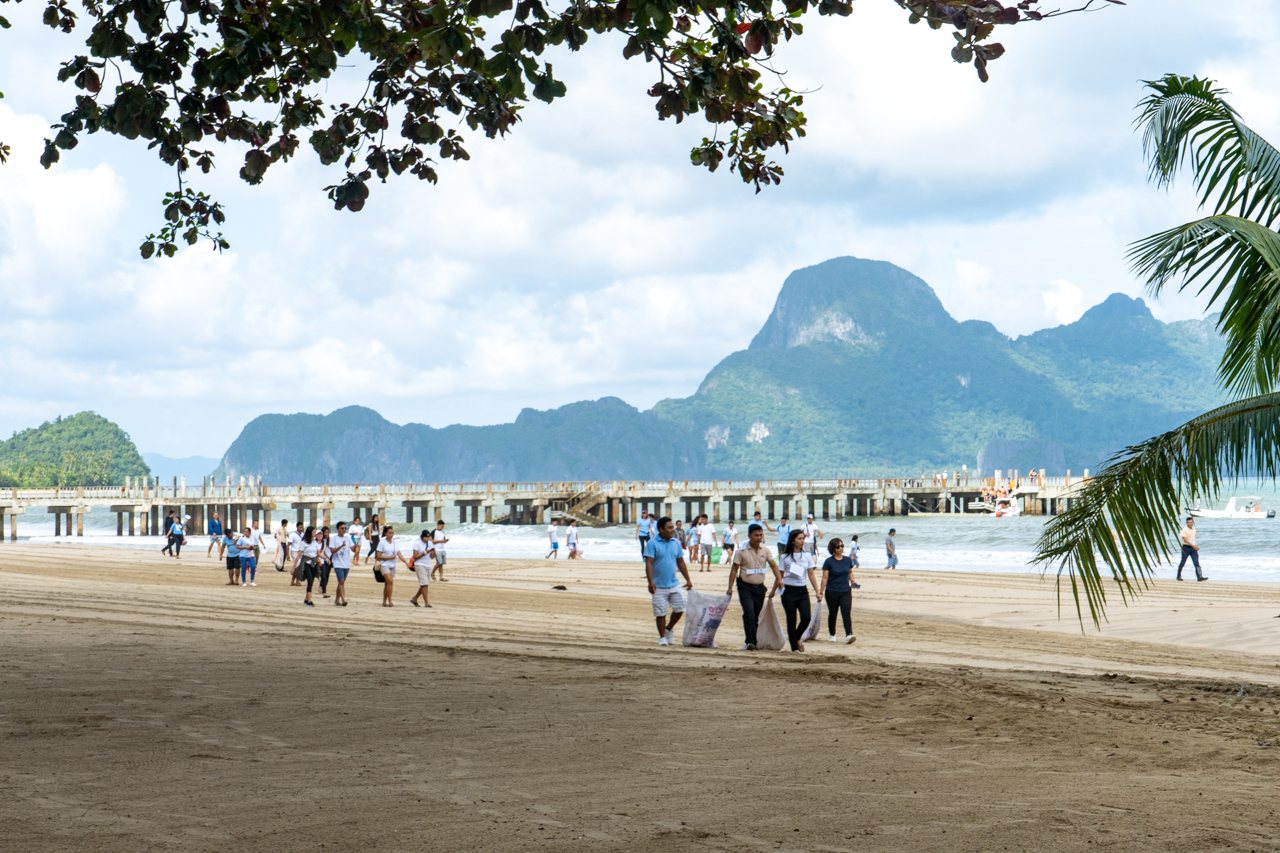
{"x": 1234, "y": 169}
{"x": 1236, "y": 261}
{"x": 1127, "y": 517}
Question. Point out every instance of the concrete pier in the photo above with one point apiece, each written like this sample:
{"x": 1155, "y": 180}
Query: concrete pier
{"x": 143, "y": 503}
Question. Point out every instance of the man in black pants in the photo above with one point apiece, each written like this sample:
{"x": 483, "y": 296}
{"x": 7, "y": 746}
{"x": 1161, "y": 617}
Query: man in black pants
{"x": 750, "y": 565}
{"x": 1190, "y": 549}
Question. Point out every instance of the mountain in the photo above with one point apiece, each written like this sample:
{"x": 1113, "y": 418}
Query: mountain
{"x": 165, "y": 468}
{"x": 859, "y": 370}
{"x": 82, "y": 450}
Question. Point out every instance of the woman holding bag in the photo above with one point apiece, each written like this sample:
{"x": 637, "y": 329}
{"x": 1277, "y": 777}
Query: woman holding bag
{"x": 797, "y": 567}
{"x": 387, "y": 555}
{"x": 306, "y": 564}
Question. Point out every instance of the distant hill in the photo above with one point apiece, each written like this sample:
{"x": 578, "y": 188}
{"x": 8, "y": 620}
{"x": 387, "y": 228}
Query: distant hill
{"x": 82, "y": 450}
{"x": 859, "y": 370}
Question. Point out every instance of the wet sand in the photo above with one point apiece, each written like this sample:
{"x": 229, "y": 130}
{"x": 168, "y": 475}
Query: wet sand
{"x": 146, "y": 706}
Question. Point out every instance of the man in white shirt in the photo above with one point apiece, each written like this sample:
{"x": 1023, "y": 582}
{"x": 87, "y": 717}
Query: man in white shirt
{"x": 571, "y": 539}
{"x": 295, "y": 547}
{"x": 553, "y": 533}
{"x": 255, "y": 539}
{"x": 812, "y": 535}
{"x": 341, "y": 549}
{"x": 1190, "y": 549}
{"x": 438, "y": 539}
{"x": 706, "y": 542}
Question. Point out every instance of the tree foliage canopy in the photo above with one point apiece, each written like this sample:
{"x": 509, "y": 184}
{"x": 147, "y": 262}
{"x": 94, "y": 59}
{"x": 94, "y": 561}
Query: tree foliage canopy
{"x": 82, "y": 450}
{"x": 182, "y": 73}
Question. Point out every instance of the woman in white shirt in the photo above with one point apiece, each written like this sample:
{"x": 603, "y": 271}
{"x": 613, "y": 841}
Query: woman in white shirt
{"x": 306, "y": 561}
{"x": 797, "y": 567}
{"x": 422, "y": 563}
{"x": 340, "y": 553}
{"x": 387, "y": 555}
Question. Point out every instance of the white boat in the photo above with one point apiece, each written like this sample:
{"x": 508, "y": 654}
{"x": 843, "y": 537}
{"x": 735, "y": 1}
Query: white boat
{"x": 999, "y": 507}
{"x": 1248, "y": 507}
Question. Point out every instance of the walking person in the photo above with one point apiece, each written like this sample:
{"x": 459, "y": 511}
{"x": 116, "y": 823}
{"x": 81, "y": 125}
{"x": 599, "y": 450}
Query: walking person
{"x": 232, "y": 553}
{"x": 797, "y": 567}
{"x": 854, "y": 548}
{"x": 167, "y": 530}
{"x": 730, "y": 541}
{"x": 756, "y": 519}
{"x": 694, "y": 539}
{"x": 175, "y": 530}
{"x": 373, "y": 538}
{"x": 438, "y": 539}
{"x": 388, "y": 554}
{"x": 282, "y": 545}
{"x": 306, "y": 561}
{"x": 215, "y": 536}
{"x": 682, "y": 535}
{"x": 784, "y": 533}
{"x": 295, "y": 546}
{"x": 1190, "y": 549}
{"x": 837, "y": 591}
{"x": 812, "y": 536}
{"x": 356, "y": 531}
{"x": 891, "y": 548}
{"x": 643, "y": 532}
{"x": 341, "y": 550}
{"x": 553, "y": 533}
{"x": 255, "y": 537}
{"x": 248, "y": 561}
{"x": 421, "y": 563}
{"x": 707, "y": 542}
{"x": 663, "y": 558}
{"x": 571, "y": 539}
{"x": 326, "y": 563}
{"x": 748, "y": 570}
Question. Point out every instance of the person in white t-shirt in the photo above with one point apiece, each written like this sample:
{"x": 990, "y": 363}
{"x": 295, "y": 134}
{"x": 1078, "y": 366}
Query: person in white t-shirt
{"x": 571, "y": 540}
{"x": 707, "y": 541}
{"x": 692, "y": 546}
{"x": 730, "y": 541}
{"x": 423, "y": 561}
{"x": 255, "y": 538}
{"x": 356, "y": 531}
{"x": 812, "y": 536}
{"x": 295, "y": 545}
{"x": 388, "y": 553}
{"x": 341, "y": 551}
{"x": 439, "y": 539}
{"x": 553, "y": 533}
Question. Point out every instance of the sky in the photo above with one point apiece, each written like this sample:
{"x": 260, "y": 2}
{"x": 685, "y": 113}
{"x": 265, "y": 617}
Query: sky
{"x": 583, "y": 256}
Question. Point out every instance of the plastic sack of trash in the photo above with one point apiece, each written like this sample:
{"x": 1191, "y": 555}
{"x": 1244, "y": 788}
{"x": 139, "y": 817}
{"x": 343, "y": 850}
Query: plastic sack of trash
{"x": 814, "y": 623}
{"x": 769, "y": 631}
{"x": 702, "y": 617}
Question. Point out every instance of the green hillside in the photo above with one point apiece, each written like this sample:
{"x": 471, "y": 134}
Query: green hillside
{"x": 859, "y": 371}
{"x": 82, "y": 450}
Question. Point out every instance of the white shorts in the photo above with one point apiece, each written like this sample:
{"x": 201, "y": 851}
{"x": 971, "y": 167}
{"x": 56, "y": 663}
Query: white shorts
{"x": 440, "y": 557}
{"x": 670, "y": 595}
{"x": 387, "y": 571}
{"x": 422, "y": 568}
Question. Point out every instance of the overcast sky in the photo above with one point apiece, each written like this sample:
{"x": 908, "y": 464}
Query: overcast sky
{"x": 583, "y": 256}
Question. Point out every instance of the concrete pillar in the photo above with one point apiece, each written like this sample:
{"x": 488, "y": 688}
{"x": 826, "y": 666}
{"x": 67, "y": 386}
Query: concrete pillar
{"x": 462, "y": 514}
{"x": 488, "y": 515}
{"x": 13, "y": 528}
{"x": 826, "y": 509}
{"x": 408, "y": 515}
{"x": 715, "y": 512}
{"x": 326, "y": 520}
{"x": 311, "y": 512}
{"x": 131, "y": 521}
{"x": 439, "y": 513}
{"x": 57, "y": 524}
{"x": 154, "y": 523}
{"x": 119, "y": 523}
{"x": 266, "y": 521}
{"x": 79, "y": 524}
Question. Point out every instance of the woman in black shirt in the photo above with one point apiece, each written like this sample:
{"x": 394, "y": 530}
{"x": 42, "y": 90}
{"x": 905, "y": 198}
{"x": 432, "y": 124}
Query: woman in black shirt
{"x": 837, "y": 575}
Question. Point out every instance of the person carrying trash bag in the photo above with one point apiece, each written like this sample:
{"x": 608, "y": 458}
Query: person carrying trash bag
{"x": 749, "y": 569}
{"x": 797, "y": 567}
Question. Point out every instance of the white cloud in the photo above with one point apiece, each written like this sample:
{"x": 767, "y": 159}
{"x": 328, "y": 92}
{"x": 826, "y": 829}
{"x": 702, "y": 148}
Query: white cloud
{"x": 1064, "y": 301}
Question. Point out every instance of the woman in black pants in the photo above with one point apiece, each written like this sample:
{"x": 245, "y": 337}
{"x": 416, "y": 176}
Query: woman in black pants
{"x": 374, "y": 538}
{"x": 797, "y": 568}
{"x": 306, "y": 564}
{"x": 837, "y": 575}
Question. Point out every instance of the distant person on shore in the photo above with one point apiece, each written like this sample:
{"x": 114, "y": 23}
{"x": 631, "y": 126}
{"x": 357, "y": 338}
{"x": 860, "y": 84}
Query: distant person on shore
{"x": 295, "y": 546}
{"x": 837, "y": 591}
{"x": 215, "y": 536}
{"x": 423, "y": 564}
{"x": 282, "y": 543}
{"x": 374, "y": 521}
{"x": 571, "y": 539}
{"x": 356, "y": 531}
{"x": 233, "y": 558}
{"x": 1190, "y": 549}
{"x": 695, "y": 539}
{"x": 248, "y": 562}
{"x": 756, "y": 519}
{"x": 797, "y": 566}
{"x": 707, "y": 539}
{"x": 784, "y": 533}
{"x": 663, "y": 558}
{"x": 439, "y": 539}
{"x": 891, "y": 549}
{"x": 642, "y": 531}
{"x": 682, "y": 534}
{"x": 174, "y": 531}
{"x": 553, "y": 533}
{"x": 730, "y": 541}
{"x": 306, "y": 566}
{"x": 326, "y": 563}
{"x": 388, "y": 555}
{"x": 812, "y": 536}
{"x": 747, "y": 572}
{"x": 853, "y": 552}
{"x": 255, "y": 536}
{"x": 340, "y": 552}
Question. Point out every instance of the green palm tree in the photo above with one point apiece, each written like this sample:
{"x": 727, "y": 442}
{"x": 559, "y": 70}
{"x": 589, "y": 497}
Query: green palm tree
{"x": 1127, "y": 517}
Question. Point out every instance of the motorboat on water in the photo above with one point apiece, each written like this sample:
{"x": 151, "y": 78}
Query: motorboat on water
{"x": 1241, "y": 507}
{"x": 1000, "y": 507}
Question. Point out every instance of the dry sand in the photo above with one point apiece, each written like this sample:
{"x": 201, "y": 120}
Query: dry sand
{"x": 145, "y": 706}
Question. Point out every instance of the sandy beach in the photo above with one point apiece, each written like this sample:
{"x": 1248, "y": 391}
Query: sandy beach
{"x": 146, "y": 705}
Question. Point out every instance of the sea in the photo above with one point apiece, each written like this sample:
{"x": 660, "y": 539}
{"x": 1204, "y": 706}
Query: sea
{"x": 1231, "y": 550}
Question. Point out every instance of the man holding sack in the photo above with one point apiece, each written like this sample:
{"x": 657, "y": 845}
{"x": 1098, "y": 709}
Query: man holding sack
{"x": 750, "y": 568}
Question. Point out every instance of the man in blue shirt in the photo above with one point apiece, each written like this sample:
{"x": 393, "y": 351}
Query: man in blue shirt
{"x": 663, "y": 557}
{"x": 215, "y": 535}
{"x": 784, "y": 533}
{"x": 643, "y": 531}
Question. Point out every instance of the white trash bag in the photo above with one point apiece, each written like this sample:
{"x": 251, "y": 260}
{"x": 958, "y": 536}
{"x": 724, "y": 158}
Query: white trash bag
{"x": 814, "y": 624}
{"x": 769, "y": 631}
{"x": 702, "y": 616}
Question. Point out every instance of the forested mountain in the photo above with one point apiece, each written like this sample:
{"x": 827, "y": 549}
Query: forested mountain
{"x": 82, "y": 450}
{"x": 859, "y": 370}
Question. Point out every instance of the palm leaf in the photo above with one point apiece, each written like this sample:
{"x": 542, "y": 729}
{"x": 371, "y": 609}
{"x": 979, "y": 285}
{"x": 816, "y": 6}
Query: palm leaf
{"x": 1127, "y": 516}
{"x": 1187, "y": 119}
{"x": 1237, "y": 262}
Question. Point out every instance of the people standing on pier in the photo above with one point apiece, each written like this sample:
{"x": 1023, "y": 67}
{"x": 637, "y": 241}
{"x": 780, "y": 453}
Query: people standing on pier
{"x": 891, "y": 548}
{"x": 295, "y": 546}
{"x": 812, "y": 536}
{"x": 643, "y": 532}
{"x": 248, "y": 560}
{"x": 707, "y": 542}
{"x": 797, "y": 566}
{"x": 232, "y": 556}
{"x": 439, "y": 539}
{"x": 571, "y": 539}
{"x": 388, "y": 554}
{"x": 306, "y": 566}
{"x": 747, "y": 572}
{"x": 373, "y": 538}
{"x": 1190, "y": 549}
{"x": 422, "y": 562}
{"x": 553, "y": 533}
{"x": 340, "y": 552}
{"x": 837, "y": 591}
{"x": 326, "y": 564}
{"x": 663, "y": 558}
{"x": 215, "y": 536}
